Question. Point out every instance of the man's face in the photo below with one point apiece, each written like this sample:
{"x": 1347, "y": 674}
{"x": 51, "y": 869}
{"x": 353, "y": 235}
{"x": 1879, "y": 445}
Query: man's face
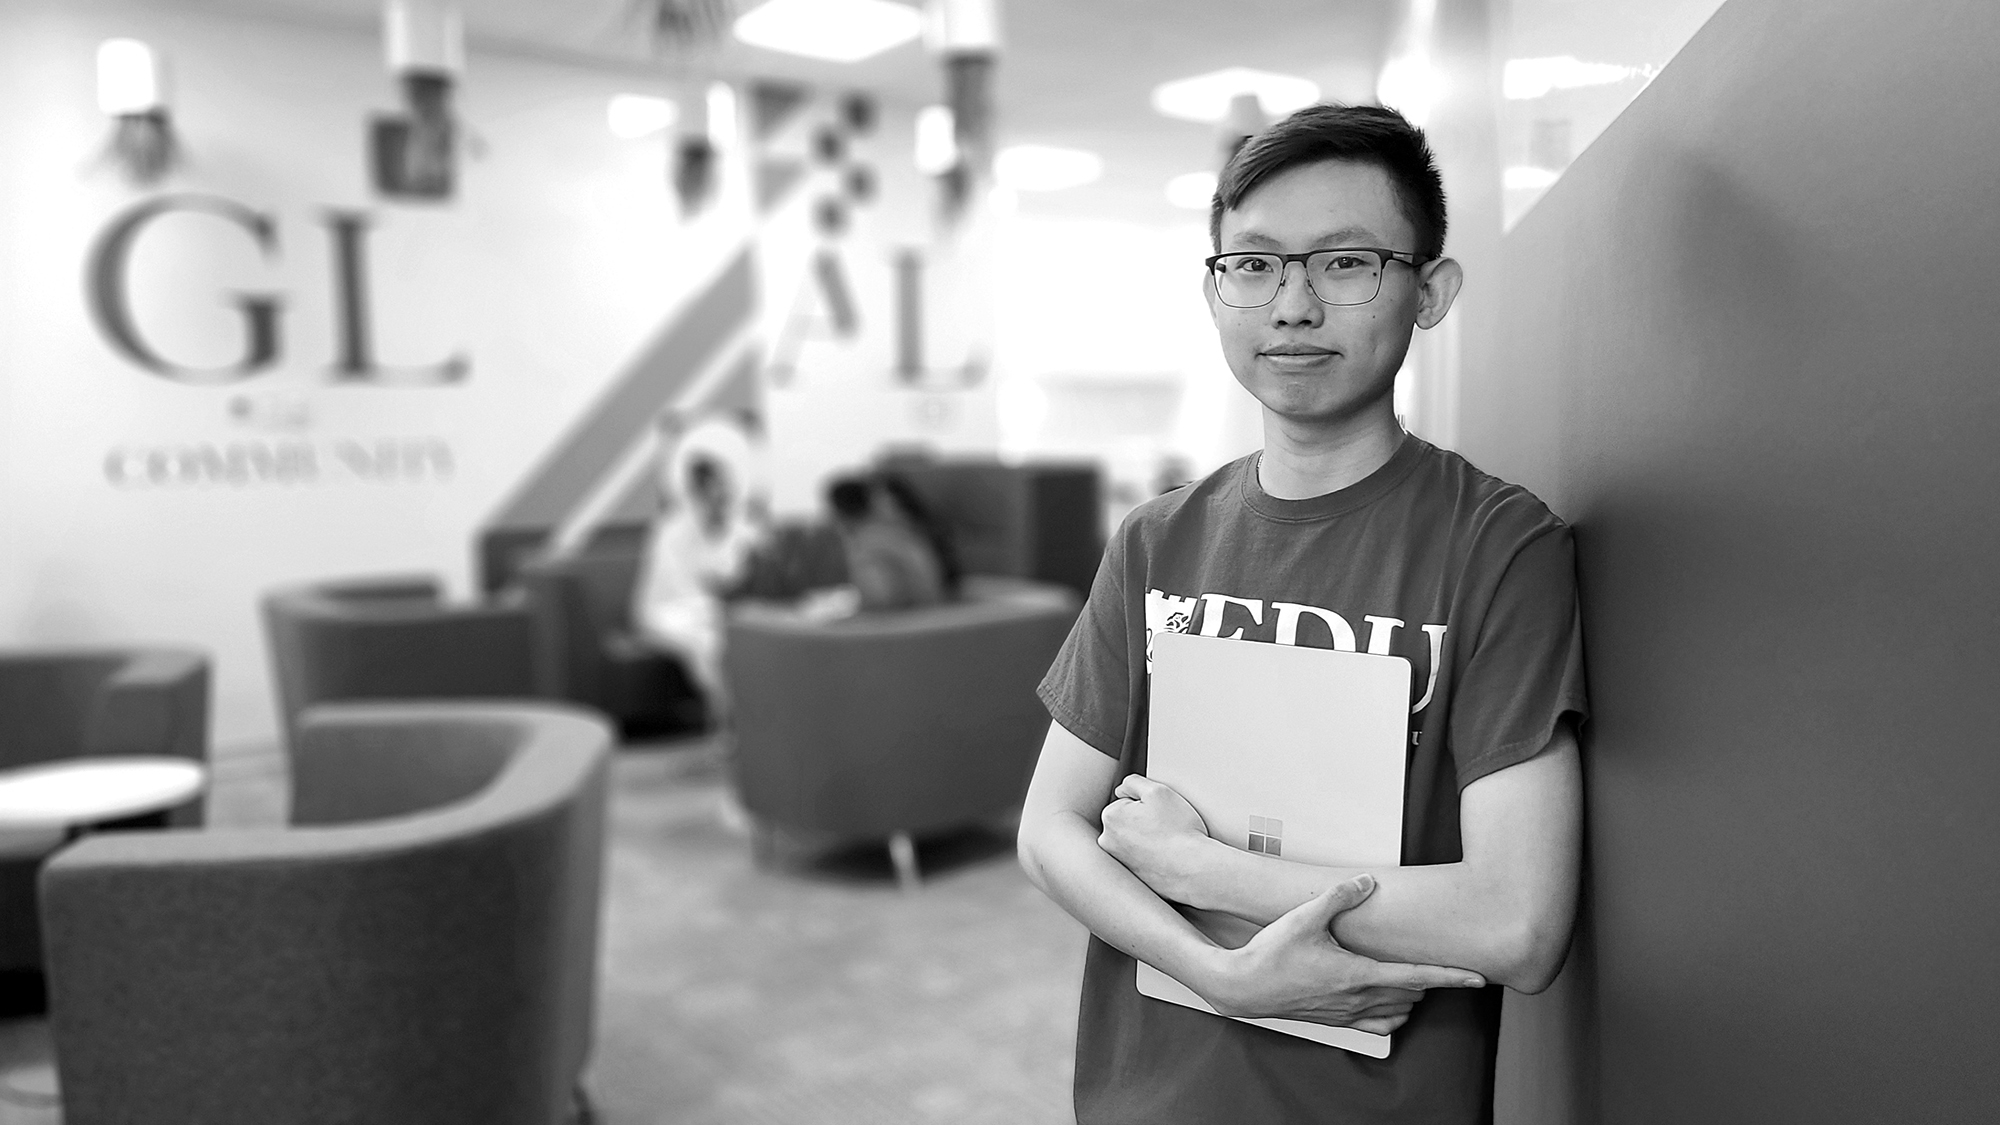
{"x": 1304, "y": 360}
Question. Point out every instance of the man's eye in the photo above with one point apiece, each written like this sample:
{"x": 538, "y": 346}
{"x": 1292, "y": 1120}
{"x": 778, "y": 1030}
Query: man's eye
{"x": 1251, "y": 265}
{"x": 1343, "y": 262}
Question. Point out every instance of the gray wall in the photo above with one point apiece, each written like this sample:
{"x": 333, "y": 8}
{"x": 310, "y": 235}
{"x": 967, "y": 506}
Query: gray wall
{"x": 1748, "y": 348}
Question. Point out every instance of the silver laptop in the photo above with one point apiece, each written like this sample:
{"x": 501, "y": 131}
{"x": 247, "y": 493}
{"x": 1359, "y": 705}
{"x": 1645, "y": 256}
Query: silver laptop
{"x": 1287, "y": 751}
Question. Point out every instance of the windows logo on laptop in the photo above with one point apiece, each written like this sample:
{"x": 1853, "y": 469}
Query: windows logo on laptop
{"x": 1267, "y": 835}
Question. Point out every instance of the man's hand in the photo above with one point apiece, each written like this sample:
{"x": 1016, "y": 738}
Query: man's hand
{"x": 1293, "y": 969}
{"x": 1156, "y": 834}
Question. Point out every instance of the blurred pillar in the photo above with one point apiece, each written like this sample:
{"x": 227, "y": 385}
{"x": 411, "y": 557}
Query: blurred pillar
{"x": 1456, "y": 38}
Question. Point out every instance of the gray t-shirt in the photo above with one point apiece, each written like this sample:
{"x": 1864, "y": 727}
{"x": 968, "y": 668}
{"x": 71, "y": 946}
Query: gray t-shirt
{"x": 1470, "y": 578}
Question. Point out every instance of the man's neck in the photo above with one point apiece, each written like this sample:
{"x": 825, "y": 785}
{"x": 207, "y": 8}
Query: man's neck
{"x": 1303, "y": 460}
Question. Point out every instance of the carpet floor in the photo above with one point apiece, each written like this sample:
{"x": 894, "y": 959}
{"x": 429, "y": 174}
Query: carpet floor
{"x": 807, "y": 989}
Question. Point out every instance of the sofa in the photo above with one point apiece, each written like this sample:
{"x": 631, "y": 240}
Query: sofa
{"x": 1040, "y": 519}
{"x": 891, "y": 726}
{"x": 75, "y": 703}
{"x": 418, "y": 944}
{"x": 393, "y": 638}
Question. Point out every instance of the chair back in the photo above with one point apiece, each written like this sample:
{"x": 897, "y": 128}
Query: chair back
{"x": 391, "y": 638}
{"x": 46, "y": 703}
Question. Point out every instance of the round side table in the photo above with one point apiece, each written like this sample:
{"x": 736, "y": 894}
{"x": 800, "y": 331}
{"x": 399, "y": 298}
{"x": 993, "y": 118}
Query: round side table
{"x": 77, "y": 792}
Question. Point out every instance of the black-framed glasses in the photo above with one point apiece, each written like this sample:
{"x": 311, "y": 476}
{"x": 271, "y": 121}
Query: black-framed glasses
{"x": 1344, "y": 275}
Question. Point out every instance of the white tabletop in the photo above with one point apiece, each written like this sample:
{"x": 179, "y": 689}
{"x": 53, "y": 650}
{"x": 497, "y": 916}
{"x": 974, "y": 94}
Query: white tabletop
{"x": 85, "y": 790}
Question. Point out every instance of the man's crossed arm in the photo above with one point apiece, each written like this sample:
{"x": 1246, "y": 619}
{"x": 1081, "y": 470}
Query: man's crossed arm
{"x": 1335, "y": 941}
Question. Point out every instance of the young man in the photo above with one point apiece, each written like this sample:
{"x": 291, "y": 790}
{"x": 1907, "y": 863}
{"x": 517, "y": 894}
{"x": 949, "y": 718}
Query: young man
{"x": 1343, "y": 531}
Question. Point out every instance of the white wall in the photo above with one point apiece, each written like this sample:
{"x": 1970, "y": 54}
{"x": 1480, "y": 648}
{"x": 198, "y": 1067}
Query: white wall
{"x": 561, "y": 255}
{"x": 1107, "y": 349}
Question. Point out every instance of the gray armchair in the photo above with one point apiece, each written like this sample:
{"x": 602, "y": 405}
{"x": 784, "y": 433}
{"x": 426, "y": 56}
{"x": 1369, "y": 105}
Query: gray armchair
{"x": 893, "y": 725}
{"x": 587, "y": 651}
{"x": 393, "y": 638}
{"x": 56, "y": 705}
{"x": 420, "y": 945}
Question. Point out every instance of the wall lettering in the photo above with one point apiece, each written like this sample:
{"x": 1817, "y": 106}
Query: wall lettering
{"x": 110, "y": 300}
{"x": 284, "y": 461}
{"x": 111, "y": 307}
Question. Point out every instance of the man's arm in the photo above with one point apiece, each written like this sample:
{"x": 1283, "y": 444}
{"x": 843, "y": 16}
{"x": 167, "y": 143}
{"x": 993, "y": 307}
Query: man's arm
{"x": 1504, "y": 910}
{"x": 1292, "y": 968}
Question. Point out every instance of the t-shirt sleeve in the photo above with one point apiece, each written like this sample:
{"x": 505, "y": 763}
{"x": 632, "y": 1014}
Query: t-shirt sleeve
{"x": 1524, "y": 675}
{"x": 1088, "y": 688}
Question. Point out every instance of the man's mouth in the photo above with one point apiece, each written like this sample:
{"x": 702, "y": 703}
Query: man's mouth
{"x": 1295, "y": 351}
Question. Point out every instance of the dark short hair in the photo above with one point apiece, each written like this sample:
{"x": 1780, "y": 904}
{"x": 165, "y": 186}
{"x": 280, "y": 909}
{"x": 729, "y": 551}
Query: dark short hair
{"x": 703, "y": 471}
{"x": 850, "y": 497}
{"x": 1370, "y": 134}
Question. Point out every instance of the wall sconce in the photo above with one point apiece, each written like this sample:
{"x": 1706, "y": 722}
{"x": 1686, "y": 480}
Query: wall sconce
{"x": 697, "y": 171}
{"x": 131, "y": 90}
{"x": 413, "y": 154}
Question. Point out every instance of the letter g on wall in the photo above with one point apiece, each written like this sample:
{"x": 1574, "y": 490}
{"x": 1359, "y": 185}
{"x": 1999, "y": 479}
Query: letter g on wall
{"x": 110, "y": 303}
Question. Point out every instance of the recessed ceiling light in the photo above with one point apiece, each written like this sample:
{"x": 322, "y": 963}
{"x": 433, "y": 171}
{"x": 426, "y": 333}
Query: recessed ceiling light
{"x": 834, "y": 30}
{"x": 1045, "y": 167}
{"x": 1525, "y": 79}
{"x": 1193, "y": 191}
{"x": 632, "y": 116}
{"x": 1205, "y": 97}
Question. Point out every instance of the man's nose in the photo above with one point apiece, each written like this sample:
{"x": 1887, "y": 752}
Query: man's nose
{"x": 1296, "y": 303}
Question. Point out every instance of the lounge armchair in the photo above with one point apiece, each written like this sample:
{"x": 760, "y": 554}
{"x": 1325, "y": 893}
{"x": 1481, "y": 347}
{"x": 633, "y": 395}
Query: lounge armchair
{"x": 393, "y": 638}
{"x": 419, "y": 945}
{"x": 587, "y": 652}
{"x": 62, "y": 704}
{"x": 893, "y": 725}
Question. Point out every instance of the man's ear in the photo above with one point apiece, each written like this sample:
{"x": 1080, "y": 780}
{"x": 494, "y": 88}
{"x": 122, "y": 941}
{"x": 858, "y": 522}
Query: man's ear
{"x": 1441, "y": 281}
{"x": 1208, "y": 295}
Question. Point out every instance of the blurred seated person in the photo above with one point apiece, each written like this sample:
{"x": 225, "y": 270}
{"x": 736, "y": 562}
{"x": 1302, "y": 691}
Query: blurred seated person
{"x": 696, "y": 554}
{"x": 898, "y": 555}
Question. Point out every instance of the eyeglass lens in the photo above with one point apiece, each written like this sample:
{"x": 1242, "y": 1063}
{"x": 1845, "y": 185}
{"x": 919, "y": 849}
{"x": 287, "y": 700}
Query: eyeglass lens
{"x": 1336, "y": 277}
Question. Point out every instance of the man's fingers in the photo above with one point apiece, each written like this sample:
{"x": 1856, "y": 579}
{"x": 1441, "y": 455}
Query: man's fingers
{"x": 1380, "y": 1025}
{"x": 1382, "y": 995}
{"x": 1343, "y": 897}
{"x": 1392, "y": 975}
{"x": 1135, "y": 787}
{"x": 1382, "y": 1011}
{"x": 1316, "y": 914}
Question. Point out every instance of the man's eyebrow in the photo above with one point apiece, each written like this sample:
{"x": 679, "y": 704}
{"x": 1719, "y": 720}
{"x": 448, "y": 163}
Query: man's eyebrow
{"x": 1345, "y": 236}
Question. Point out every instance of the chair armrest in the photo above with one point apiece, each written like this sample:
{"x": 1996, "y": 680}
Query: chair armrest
{"x": 393, "y": 588}
{"x": 565, "y": 663}
{"x": 155, "y": 703}
{"x": 357, "y": 762}
{"x": 418, "y": 652}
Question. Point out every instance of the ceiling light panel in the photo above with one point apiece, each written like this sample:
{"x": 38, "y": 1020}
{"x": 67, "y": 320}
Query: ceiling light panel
{"x": 834, "y": 30}
{"x": 1527, "y": 79}
{"x": 632, "y": 116}
{"x": 1045, "y": 167}
{"x": 1194, "y": 191}
{"x": 1206, "y": 97}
